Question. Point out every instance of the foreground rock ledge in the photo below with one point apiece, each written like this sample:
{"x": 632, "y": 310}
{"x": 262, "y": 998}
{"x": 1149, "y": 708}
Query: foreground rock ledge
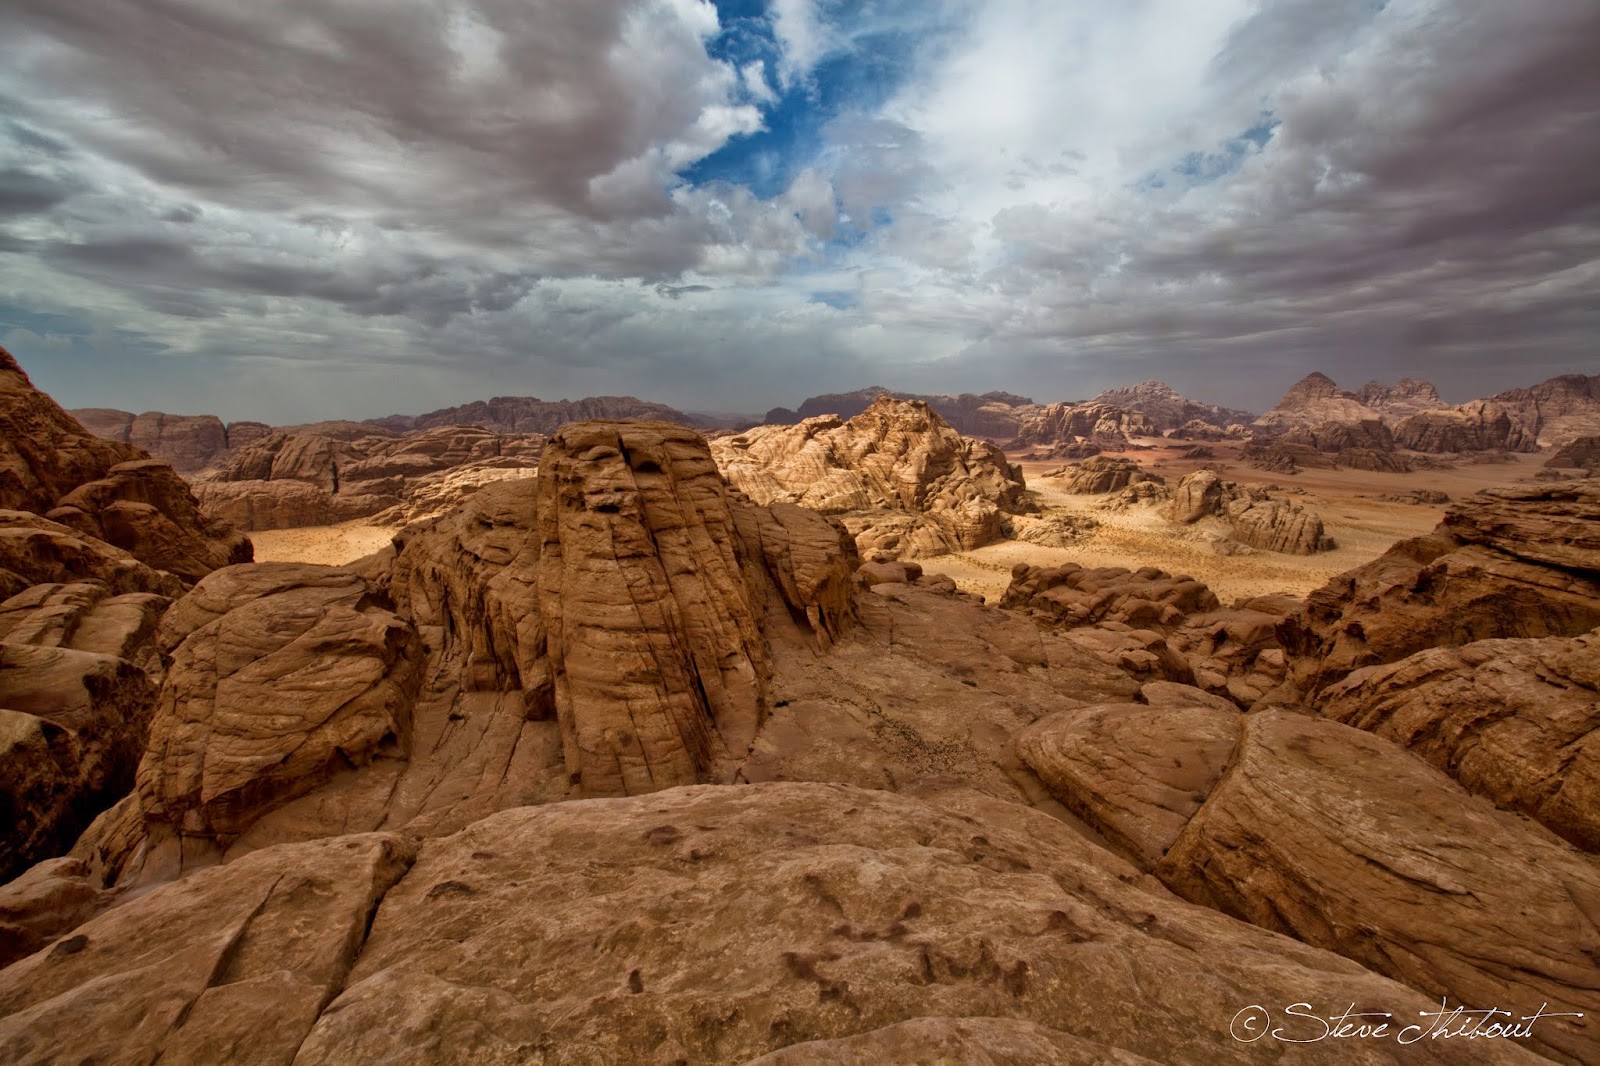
{"x": 707, "y": 924}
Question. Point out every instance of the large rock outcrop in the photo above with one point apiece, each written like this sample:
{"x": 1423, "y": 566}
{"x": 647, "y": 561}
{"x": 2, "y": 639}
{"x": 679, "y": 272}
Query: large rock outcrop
{"x": 1317, "y": 399}
{"x": 529, "y": 415}
{"x": 44, "y": 452}
{"x": 145, "y": 508}
{"x": 1278, "y": 525}
{"x": 1581, "y": 453}
{"x": 188, "y": 443}
{"x": 1558, "y": 411}
{"x": 1515, "y": 562}
{"x": 1167, "y": 410}
{"x": 299, "y": 676}
{"x": 72, "y": 726}
{"x": 993, "y": 414}
{"x": 1517, "y": 721}
{"x": 1471, "y": 427}
{"x": 1338, "y": 838}
{"x": 902, "y": 480}
{"x": 706, "y": 925}
{"x": 295, "y": 479}
{"x": 1104, "y": 424}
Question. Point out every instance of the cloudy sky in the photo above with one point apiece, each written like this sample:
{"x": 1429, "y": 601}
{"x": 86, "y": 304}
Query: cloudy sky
{"x": 299, "y": 209}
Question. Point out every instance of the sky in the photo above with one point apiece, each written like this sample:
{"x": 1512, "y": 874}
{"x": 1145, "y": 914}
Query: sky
{"x": 307, "y": 209}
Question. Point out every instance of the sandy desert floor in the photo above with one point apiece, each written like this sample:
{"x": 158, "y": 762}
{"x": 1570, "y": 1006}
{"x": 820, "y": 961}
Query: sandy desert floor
{"x": 1364, "y": 527}
{"x": 330, "y": 545}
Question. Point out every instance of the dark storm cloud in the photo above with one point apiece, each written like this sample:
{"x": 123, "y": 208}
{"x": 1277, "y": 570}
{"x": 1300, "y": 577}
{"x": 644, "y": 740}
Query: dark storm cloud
{"x": 378, "y": 200}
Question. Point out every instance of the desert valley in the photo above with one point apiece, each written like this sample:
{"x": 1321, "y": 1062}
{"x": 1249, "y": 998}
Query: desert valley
{"x": 892, "y": 728}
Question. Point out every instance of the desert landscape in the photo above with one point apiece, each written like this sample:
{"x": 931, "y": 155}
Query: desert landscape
{"x": 799, "y": 533}
{"x": 806, "y": 741}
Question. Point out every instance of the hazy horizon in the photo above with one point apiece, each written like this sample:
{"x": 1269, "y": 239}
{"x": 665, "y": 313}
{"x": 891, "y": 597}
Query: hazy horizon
{"x": 363, "y": 209}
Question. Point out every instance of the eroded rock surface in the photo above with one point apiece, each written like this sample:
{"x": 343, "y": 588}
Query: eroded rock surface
{"x": 903, "y": 481}
{"x": 1513, "y": 720}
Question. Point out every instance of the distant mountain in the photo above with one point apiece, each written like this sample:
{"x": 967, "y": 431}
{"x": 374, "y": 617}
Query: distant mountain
{"x": 1167, "y": 409}
{"x": 529, "y": 414}
{"x": 1552, "y": 414}
{"x": 993, "y": 414}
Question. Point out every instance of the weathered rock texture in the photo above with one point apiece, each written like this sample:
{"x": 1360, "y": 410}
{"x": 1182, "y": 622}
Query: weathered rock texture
{"x": 72, "y": 725}
{"x": 1517, "y": 721}
{"x": 1517, "y": 562}
{"x": 145, "y": 508}
{"x": 1476, "y": 426}
{"x": 815, "y": 913}
{"x": 1099, "y": 423}
{"x": 1338, "y": 838}
{"x": 1108, "y": 473}
{"x": 994, "y": 414}
{"x": 902, "y": 480}
{"x": 188, "y": 443}
{"x": 1168, "y": 410}
{"x": 44, "y": 453}
{"x": 293, "y": 479}
{"x": 1557, "y": 411}
{"x": 1582, "y": 453}
{"x": 1279, "y": 526}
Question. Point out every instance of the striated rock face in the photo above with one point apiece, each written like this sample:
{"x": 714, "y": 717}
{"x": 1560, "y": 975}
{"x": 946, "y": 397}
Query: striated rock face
{"x": 1338, "y": 838}
{"x": 1558, "y": 411}
{"x": 1406, "y": 397}
{"x": 659, "y": 666}
{"x": 1582, "y": 453}
{"x": 1167, "y": 410}
{"x": 36, "y": 551}
{"x": 1316, "y": 399}
{"x": 145, "y": 508}
{"x": 1074, "y": 595}
{"x": 903, "y": 481}
{"x": 72, "y": 725}
{"x": 293, "y": 479}
{"x": 1397, "y": 868}
{"x": 1521, "y": 562}
{"x": 1472, "y": 427}
{"x": 44, "y": 453}
{"x": 1517, "y": 721}
{"x": 189, "y": 443}
{"x": 1198, "y": 495}
{"x": 1108, "y": 473}
{"x": 1279, "y": 526}
{"x": 1098, "y": 423}
{"x": 1371, "y": 435}
{"x": 299, "y": 675}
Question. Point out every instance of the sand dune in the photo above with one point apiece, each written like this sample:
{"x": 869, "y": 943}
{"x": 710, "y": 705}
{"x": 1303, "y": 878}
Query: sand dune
{"x": 330, "y": 545}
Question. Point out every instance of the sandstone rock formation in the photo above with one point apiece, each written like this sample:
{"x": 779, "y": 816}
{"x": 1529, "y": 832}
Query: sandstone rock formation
{"x": 1476, "y": 426}
{"x": 289, "y": 480}
{"x": 1316, "y": 399}
{"x": 1075, "y": 595}
{"x": 1558, "y": 411}
{"x": 145, "y": 508}
{"x": 1097, "y": 423}
{"x": 1517, "y": 721}
{"x": 1581, "y": 453}
{"x": 901, "y": 479}
{"x": 1521, "y": 562}
{"x": 188, "y": 443}
{"x": 72, "y": 725}
{"x": 1168, "y": 410}
{"x": 1404, "y": 398}
{"x": 44, "y": 454}
{"x": 1261, "y": 817}
{"x": 1107, "y": 473}
{"x": 1278, "y": 525}
{"x": 994, "y": 414}
{"x": 705, "y": 924}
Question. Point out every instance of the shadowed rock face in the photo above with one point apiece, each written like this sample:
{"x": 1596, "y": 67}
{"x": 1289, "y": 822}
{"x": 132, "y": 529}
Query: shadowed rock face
{"x": 1505, "y": 563}
{"x": 903, "y": 481}
{"x": 1517, "y": 721}
{"x": 1101, "y": 423}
